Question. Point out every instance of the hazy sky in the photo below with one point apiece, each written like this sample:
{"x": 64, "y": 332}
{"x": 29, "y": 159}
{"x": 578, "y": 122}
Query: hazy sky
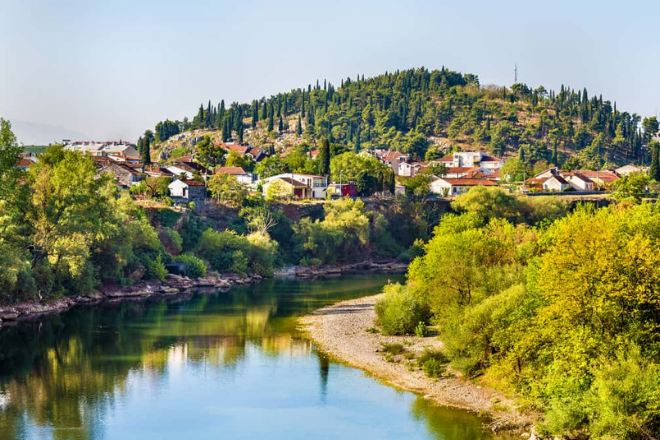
{"x": 110, "y": 69}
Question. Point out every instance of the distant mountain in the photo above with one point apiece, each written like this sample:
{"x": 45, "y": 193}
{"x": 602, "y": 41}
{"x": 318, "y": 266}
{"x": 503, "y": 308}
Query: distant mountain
{"x": 430, "y": 113}
{"x": 32, "y": 133}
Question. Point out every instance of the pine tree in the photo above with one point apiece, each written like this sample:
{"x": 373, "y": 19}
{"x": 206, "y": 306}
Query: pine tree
{"x": 299, "y": 127}
{"x": 146, "y": 152}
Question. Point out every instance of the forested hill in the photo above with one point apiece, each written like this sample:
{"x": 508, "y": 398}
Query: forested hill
{"x": 427, "y": 113}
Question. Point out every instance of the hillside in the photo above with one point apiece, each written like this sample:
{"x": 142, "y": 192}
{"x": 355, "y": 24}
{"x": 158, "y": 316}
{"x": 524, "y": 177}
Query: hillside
{"x": 427, "y": 113}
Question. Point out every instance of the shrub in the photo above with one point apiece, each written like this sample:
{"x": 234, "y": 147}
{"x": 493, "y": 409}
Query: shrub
{"x": 399, "y": 311}
{"x": 392, "y": 348}
{"x": 420, "y": 330}
{"x": 195, "y": 267}
{"x": 433, "y": 363}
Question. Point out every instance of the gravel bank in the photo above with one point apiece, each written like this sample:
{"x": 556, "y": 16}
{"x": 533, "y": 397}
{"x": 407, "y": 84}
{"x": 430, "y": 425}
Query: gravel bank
{"x": 341, "y": 331}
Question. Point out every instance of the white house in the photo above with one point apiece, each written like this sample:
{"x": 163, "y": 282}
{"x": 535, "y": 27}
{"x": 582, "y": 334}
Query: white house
{"x": 470, "y": 159}
{"x": 580, "y": 182}
{"x": 317, "y": 184}
{"x": 629, "y": 169}
{"x": 187, "y": 191}
{"x": 116, "y": 149}
{"x": 556, "y": 183}
{"x": 452, "y": 187}
{"x": 405, "y": 169}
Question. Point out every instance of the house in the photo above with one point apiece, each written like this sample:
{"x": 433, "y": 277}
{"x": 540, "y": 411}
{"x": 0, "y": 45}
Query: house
{"x": 313, "y": 154}
{"x": 124, "y": 175}
{"x": 390, "y": 158}
{"x": 179, "y": 167}
{"x": 283, "y": 186}
{"x": 405, "y": 169}
{"x": 115, "y": 149}
{"x": 257, "y": 154}
{"x": 458, "y": 172}
{"x": 470, "y": 159}
{"x": 24, "y": 163}
{"x": 600, "y": 178}
{"x": 555, "y": 183}
{"x": 317, "y": 184}
{"x": 343, "y": 189}
{"x": 629, "y": 169}
{"x": 242, "y": 176}
{"x": 452, "y": 187}
{"x": 184, "y": 191}
{"x": 548, "y": 173}
{"x": 579, "y": 182}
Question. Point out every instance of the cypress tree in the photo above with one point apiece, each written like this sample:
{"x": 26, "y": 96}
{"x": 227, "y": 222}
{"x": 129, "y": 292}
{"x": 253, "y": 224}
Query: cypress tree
{"x": 255, "y": 113}
{"x": 264, "y": 111}
{"x": 280, "y": 125}
{"x": 324, "y": 156}
{"x": 146, "y": 152}
{"x": 299, "y": 128}
{"x": 140, "y": 145}
{"x": 270, "y": 118}
{"x": 303, "y": 104}
{"x": 654, "y": 169}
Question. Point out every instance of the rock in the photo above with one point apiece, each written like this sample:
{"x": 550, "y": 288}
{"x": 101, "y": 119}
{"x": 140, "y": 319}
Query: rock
{"x": 9, "y": 315}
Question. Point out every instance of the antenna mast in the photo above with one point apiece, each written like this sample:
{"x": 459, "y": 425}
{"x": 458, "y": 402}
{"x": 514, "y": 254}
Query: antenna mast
{"x": 515, "y": 74}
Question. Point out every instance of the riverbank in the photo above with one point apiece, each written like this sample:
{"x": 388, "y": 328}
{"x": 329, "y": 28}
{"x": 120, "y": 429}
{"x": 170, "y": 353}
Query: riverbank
{"x": 175, "y": 286}
{"x": 342, "y": 331}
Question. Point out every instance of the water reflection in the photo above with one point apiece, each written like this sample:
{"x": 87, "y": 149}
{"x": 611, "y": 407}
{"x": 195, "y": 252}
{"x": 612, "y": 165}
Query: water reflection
{"x": 130, "y": 370}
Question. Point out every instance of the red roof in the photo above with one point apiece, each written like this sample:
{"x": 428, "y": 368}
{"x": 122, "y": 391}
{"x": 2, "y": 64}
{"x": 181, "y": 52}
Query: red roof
{"x": 24, "y": 162}
{"x": 460, "y": 170}
{"x": 230, "y": 170}
{"x": 604, "y": 176}
{"x": 193, "y": 183}
{"x": 469, "y": 182}
{"x": 444, "y": 159}
{"x": 237, "y": 148}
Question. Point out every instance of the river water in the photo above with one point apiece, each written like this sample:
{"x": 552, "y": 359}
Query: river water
{"x": 221, "y": 366}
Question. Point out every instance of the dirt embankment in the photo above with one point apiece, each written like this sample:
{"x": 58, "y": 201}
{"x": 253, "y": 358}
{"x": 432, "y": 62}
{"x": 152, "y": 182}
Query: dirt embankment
{"x": 342, "y": 331}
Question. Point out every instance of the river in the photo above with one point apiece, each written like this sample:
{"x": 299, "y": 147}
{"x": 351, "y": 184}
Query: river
{"x": 226, "y": 365}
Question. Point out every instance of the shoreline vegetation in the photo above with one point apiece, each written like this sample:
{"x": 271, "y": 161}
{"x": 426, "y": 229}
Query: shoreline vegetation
{"x": 181, "y": 287}
{"x": 345, "y": 330}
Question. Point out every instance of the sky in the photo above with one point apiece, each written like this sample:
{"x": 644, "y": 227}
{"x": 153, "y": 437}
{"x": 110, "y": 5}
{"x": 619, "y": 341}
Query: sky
{"x": 109, "y": 69}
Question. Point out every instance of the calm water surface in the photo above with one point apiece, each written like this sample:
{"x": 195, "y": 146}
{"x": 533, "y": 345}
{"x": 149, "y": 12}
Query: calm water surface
{"x": 221, "y": 366}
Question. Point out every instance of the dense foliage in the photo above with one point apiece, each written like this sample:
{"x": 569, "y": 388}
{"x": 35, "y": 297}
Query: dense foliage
{"x": 423, "y": 112}
{"x": 565, "y": 314}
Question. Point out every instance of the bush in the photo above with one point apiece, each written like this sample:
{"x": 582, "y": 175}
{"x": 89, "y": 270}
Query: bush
{"x": 229, "y": 252}
{"x": 195, "y": 267}
{"x": 399, "y": 311}
{"x": 392, "y": 348}
{"x": 433, "y": 363}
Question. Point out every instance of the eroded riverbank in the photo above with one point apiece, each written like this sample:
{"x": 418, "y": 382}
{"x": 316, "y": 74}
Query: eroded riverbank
{"x": 341, "y": 331}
